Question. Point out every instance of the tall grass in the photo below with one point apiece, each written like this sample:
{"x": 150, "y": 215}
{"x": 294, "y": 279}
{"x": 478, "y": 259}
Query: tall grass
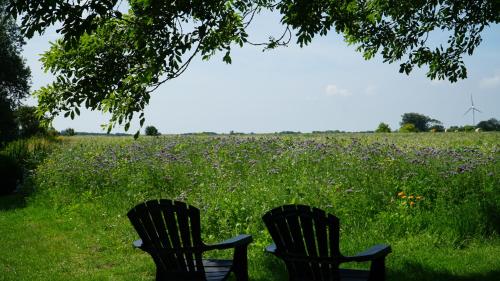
{"x": 30, "y": 152}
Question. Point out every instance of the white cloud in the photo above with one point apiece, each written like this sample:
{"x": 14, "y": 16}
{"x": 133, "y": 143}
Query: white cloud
{"x": 334, "y": 90}
{"x": 371, "y": 90}
{"x": 490, "y": 82}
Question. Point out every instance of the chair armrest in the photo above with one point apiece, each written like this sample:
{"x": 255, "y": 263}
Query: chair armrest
{"x": 271, "y": 249}
{"x": 375, "y": 252}
{"x": 238, "y": 241}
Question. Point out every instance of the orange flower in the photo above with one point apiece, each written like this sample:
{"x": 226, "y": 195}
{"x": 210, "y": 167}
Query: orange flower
{"x": 400, "y": 194}
{"x": 411, "y": 197}
{"x": 419, "y": 197}
{"x": 404, "y": 196}
{"x": 412, "y": 203}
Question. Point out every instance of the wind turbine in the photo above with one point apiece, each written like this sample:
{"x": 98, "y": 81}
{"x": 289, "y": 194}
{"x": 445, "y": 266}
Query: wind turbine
{"x": 473, "y": 109}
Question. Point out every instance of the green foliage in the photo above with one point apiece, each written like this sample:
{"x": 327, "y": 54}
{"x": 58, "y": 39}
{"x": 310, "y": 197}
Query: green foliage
{"x": 151, "y": 131}
{"x": 468, "y": 128}
{"x": 28, "y": 153}
{"x": 489, "y": 125}
{"x": 29, "y": 122}
{"x": 137, "y": 52}
{"x": 8, "y": 128}
{"x": 14, "y": 74}
{"x": 111, "y": 61}
{"x": 421, "y": 122}
{"x": 68, "y": 132}
{"x": 408, "y": 128}
{"x": 383, "y": 128}
{"x": 10, "y": 173}
{"x": 436, "y": 128}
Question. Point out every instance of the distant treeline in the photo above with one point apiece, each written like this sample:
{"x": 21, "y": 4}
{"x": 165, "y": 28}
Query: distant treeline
{"x": 101, "y": 134}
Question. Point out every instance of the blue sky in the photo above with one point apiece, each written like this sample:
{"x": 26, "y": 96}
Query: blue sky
{"x": 324, "y": 86}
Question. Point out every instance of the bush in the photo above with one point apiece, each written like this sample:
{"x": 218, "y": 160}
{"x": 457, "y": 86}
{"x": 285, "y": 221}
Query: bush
{"x": 8, "y": 128}
{"x": 469, "y": 128}
{"x": 151, "y": 131}
{"x": 29, "y": 152}
{"x": 29, "y": 123}
{"x": 408, "y": 128}
{"x": 489, "y": 125}
{"x": 10, "y": 174}
{"x": 19, "y": 156}
{"x": 383, "y": 128}
{"x": 68, "y": 132}
{"x": 437, "y": 128}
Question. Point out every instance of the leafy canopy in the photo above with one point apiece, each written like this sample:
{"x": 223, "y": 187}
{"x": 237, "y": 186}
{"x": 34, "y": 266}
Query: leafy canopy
{"x": 111, "y": 61}
{"x": 422, "y": 123}
{"x": 489, "y": 125}
{"x": 151, "y": 131}
{"x": 14, "y": 74}
{"x": 29, "y": 123}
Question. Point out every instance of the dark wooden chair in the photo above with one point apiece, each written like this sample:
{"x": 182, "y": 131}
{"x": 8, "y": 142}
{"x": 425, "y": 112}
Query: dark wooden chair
{"x": 170, "y": 232}
{"x": 307, "y": 239}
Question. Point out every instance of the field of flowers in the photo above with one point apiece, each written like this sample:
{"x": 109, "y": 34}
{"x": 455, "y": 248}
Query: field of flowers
{"x": 434, "y": 197}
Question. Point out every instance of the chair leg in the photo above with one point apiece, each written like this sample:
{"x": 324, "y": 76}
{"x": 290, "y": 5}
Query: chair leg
{"x": 377, "y": 270}
{"x": 240, "y": 263}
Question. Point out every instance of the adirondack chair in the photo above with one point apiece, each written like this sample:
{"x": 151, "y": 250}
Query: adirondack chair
{"x": 307, "y": 240}
{"x": 170, "y": 232}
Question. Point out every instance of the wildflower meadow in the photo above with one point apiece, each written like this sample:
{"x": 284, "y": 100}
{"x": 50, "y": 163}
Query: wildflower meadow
{"x": 435, "y": 198}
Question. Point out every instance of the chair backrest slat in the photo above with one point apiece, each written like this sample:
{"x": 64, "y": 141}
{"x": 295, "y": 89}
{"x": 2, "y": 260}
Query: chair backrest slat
{"x": 185, "y": 237}
{"x": 310, "y": 241}
{"x": 321, "y": 233}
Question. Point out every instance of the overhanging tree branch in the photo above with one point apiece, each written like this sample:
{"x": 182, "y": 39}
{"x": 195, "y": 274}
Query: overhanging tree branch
{"x": 112, "y": 62}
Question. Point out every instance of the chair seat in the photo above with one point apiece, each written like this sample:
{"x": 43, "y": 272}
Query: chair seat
{"x": 217, "y": 270}
{"x": 354, "y": 275}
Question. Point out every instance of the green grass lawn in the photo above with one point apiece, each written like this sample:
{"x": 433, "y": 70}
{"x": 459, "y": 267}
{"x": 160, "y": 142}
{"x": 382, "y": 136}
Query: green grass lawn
{"x": 69, "y": 222}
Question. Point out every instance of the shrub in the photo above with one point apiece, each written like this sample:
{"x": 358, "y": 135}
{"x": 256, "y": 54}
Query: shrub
{"x": 29, "y": 123}
{"x": 68, "y": 132}
{"x": 383, "y": 128}
{"x": 437, "y": 128}
{"x": 408, "y": 128}
{"x": 489, "y": 125}
{"x": 8, "y": 128}
{"x": 10, "y": 174}
{"x": 151, "y": 131}
{"x": 29, "y": 152}
{"x": 469, "y": 128}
